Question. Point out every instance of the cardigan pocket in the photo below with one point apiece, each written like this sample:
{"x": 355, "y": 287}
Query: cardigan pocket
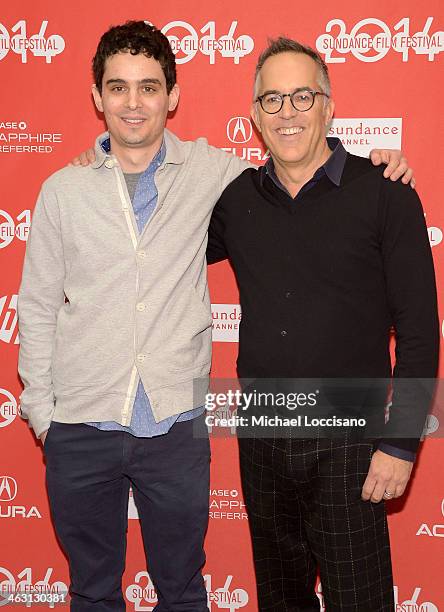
{"x": 187, "y": 332}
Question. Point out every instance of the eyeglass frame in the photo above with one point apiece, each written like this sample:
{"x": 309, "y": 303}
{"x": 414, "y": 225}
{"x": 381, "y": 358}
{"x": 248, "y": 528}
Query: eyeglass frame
{"x": 288, "y": 95}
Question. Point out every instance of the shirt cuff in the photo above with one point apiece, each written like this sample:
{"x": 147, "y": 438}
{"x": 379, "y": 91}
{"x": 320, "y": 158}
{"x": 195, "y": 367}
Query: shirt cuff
{"x": 400, "y": 453}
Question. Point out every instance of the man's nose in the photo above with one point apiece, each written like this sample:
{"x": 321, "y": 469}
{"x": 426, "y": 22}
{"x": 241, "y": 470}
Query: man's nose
{"x": 133, "y": 99}
{"x": 287, "y": 110}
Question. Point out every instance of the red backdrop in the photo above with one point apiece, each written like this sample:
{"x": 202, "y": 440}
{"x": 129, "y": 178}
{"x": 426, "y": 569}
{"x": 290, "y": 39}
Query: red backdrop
{"x": 385, "y": 65}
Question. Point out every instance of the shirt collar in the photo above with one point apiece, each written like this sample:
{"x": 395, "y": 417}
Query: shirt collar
{"x": 173, "y": 153}
{"x": 155, "y": 162}
{"x": 333, "y": 167}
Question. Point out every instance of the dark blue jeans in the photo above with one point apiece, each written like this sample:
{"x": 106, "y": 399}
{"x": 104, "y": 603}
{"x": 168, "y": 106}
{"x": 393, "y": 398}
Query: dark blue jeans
{"x": 88, "y": 474}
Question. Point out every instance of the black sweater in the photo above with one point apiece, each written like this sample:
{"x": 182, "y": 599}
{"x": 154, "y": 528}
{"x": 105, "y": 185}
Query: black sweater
{"x": 323, "y": 279}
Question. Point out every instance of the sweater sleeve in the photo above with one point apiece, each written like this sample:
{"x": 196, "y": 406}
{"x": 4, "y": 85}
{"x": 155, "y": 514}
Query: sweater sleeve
{"x": 411, "y": 293}
{"x": 41, "y": 295}
{"x": 216, "y": 248}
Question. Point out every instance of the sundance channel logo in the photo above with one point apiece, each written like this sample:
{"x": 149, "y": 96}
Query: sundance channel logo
{"x": 19, "y": 41}
{"x": 359, "y": 136}
{"x": 226, "y": 320}
{"x": 186, "y": 42}
{"x": 371, "y": 39}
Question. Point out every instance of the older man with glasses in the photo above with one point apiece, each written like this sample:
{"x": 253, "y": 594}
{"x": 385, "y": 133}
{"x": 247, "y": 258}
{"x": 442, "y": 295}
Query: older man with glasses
{"x": 330, "y": 256}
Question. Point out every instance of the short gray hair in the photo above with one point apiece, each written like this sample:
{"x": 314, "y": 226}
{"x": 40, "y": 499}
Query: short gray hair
{"x": 285, "y": 45}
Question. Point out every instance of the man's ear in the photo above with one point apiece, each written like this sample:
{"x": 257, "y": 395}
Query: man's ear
{"x": 254, "y": 112}
{"x": 174, "y": 98}
{"x": 97, "y": 98}
{"x": 329, "y": 111}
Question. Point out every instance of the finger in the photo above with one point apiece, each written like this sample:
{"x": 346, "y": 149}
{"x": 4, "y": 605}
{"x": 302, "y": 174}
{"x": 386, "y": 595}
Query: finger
{"x": 390, "y": 490}
{"x": 407, "y": 176}
{"x": 378, "y": 492}
{"x": 399, "y": 490}
{"x": 91, "y": 156}
{"x": 396, "y": 168}
{"x": 368, "y": 488}
{"x": 376, "y": 158}
{"x": 84, "y": 159}
{"x": 413, "y": 183}
{"x": 75, "y": 162}
{"x": 385, "y": 156}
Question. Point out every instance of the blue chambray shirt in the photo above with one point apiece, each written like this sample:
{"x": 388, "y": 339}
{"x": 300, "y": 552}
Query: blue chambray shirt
{"x": 142, "y": 420}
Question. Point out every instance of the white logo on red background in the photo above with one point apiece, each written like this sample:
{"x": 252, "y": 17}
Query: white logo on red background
{"x": 409, "y": 605}
{"x": 227, "y": 504}
{"x": 226, "y": 319}
{"x": 24, "y": 584}
{"x": 412, "y": 604}
{"x": 18, "y": 137}
{"x": 435, "y": 236}
{"x": 436, "y": 531}
{"x": 8, "y": 408}
{"x": 11, "y": 228}
{"x": 225, "y": 598}
{"x": 8, "y": 488}
{"x": 143, "y": 595}
{"x": 8, "y": 493}
{"x": 18, "y": 41}
{"x": 8, "y": 320}
{"x": 186, "y": 41}
{"x": 361, "y": 135}
{"x": 371, "y": 39}
{"x": 239, "y": 130}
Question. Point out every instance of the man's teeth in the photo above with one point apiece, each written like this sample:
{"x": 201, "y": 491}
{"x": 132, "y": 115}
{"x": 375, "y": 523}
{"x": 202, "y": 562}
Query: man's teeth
{"x": 133, "y": 120}
{"x": 290, "y": 131}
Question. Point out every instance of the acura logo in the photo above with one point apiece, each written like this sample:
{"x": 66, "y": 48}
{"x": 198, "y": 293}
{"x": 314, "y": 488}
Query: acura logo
{"x": 8, "y": 488}
{"x": 239, "y": 130}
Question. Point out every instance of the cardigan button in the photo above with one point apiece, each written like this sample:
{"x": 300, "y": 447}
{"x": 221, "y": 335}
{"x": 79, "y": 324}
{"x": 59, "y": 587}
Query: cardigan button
{"x": 283, "y": 332}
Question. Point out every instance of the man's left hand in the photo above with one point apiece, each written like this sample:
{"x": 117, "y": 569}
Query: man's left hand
{"x": 387, "y": 477}
{"x": 397, "y": 165}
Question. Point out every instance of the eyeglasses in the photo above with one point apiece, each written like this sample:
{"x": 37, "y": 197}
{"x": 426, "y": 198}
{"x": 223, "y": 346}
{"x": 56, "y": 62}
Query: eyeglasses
{"x": 301, "y": 99}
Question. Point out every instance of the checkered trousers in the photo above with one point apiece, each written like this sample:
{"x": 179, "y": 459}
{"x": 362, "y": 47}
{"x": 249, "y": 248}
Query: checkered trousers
{"x": 305, "y": 511}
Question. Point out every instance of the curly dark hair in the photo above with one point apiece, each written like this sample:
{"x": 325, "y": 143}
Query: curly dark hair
{"x": 135, "y": 37}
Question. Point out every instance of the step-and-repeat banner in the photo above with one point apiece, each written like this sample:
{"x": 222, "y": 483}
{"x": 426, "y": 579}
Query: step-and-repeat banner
{"x": 386, "y": 65}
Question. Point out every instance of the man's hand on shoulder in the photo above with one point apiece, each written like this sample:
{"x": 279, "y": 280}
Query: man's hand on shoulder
{"x": 84, "y": 159}
{"x": 387, "y": 477}
{"x": 397, "y": 165}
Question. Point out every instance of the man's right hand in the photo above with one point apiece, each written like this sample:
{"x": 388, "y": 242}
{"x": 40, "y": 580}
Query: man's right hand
{"x": 84, "y": 159}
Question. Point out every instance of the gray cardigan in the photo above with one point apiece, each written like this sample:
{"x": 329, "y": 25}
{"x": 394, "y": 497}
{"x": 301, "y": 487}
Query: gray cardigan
{"x": 99, "y": 304}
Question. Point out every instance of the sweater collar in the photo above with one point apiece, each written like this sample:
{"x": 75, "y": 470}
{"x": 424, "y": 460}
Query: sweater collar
{"x": 173, "y": 155}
